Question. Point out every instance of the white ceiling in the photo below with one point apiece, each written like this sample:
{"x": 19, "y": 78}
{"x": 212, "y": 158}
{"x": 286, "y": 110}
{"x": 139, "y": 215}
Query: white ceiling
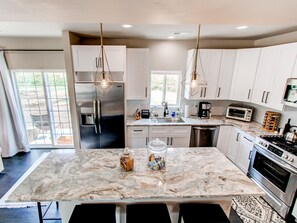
{"x": 154, "y": 19}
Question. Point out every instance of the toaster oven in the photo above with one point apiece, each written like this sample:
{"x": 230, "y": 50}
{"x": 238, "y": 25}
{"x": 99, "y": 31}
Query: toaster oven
{"x": 240, "y": 113}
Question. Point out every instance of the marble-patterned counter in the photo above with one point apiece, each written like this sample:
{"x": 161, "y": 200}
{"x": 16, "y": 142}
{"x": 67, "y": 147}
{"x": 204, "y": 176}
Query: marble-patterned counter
{"x": 95, "y": 175}
{"x": 252, "y": 128}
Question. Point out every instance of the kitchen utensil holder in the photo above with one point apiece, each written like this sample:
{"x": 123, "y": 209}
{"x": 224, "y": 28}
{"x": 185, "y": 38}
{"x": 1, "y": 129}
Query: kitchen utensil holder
{"x": 270, "y": 122}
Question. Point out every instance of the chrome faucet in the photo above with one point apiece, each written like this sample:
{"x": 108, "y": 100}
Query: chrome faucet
{"x": 166, "y": 111}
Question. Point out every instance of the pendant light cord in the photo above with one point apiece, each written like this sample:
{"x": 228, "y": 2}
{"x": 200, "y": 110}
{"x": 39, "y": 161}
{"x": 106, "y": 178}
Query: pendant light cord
{"x": 102, "y": 53}
{"x": 196, "y": 53}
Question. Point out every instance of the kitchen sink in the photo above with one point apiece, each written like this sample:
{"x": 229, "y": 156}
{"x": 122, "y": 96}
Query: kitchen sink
{"x": 170, "y": 120}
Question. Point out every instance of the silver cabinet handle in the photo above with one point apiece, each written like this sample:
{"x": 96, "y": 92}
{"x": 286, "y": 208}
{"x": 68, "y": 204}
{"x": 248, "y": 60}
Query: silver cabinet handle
{"x": 201, "y": 91}
{"x": 137, "y": 130}
{"x": 249, "y": 94}
{"x": 266, "y": 96}
{"x": 219, "y": 92}
{"x": 204, "y": 91}
{"x": 263, "y": 96}
{"x": 167, "y": 140}
{"x": 145, "y": 91}
{"x": 171, "y": 141}
{"x": 237, "y": 137}
{"x": 97, "y": 62}
{"x": 95, "y": 115}
{"x": 250, "y": 154}
{"x": 248, "y": 139}
{"x": 146, "y": 140}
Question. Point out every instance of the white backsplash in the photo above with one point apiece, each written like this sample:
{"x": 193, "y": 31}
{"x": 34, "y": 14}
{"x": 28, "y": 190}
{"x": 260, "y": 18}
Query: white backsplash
{"x": 218, "y": 108}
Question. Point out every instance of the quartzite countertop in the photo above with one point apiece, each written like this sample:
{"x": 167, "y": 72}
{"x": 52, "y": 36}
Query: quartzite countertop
{"x": 95, "y": 175}
{"x": 252, "y": 128}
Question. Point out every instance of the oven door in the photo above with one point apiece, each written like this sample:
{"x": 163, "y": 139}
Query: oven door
{"x": 276, "y": 177}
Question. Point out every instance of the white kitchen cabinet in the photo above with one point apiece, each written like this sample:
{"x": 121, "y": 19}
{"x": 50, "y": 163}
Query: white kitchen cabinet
{"x": 243, "y": 155}
{"x": 174, "y": 136}
{"x": 1, "y": 162}
{"x": 244, "y": 74}
{"x": 137, "y": 74}
{"x": 208, "y": 66}
{"x": 88, "y": 58}
{"x": 224, "y": 138}
{"x": 137, "y": 136}
{"x": 234, "y": 145}
{"x": 225, "y": 74}
{"x": 275, "y": 66}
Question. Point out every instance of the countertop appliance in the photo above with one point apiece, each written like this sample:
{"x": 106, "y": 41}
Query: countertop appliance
{"x": 100, "y": 117}
{"x": 204, "y": 109}
{"x": 240, "y": 112}
{"x": 290, "y": 94}
{"x": 204, "y": 136}
{"x": 273, "y": 166}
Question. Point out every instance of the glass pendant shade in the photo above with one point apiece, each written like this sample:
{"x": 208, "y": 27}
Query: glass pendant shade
{"x": 103, "y": 77}
{"x": 194, "y": 80}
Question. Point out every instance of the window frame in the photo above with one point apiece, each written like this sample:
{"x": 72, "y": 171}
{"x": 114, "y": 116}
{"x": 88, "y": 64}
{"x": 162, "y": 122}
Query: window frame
{"x": 165, "y": 73}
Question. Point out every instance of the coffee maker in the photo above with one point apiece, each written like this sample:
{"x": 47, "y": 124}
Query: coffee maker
{"x": 204, "y": 109}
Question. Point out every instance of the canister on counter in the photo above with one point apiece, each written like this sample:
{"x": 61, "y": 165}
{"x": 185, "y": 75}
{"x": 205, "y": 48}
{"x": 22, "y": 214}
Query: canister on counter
{"x": 127, "y": 160}
{"x": 157, "y": 153}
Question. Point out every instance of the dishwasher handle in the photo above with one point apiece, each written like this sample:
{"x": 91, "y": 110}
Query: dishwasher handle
{"x": 205, "y": 128}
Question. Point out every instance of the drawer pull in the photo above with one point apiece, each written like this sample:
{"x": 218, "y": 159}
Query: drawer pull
{"x": 137, "y": 130}
{"x": 248, "y": 139}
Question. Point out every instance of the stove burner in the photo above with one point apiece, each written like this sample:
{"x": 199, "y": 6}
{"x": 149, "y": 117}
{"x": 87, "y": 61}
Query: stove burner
{"x": 282, "y": 143}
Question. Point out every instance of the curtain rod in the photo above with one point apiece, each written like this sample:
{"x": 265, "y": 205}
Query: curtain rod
{"x": 38, "y": 50}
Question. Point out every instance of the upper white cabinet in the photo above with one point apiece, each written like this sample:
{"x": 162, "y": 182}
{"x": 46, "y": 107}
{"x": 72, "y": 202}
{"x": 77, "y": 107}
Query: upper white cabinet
{"x": 137, "y": 74}
{"x": 275, "y": 67}
{"x": 225, "y": 74}
{"x": 244, "y": 74}
{"x": 88, "y": 58}
{"x": 208, "y": 65}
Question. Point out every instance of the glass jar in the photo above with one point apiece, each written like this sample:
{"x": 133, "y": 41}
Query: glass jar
{"x": 127, "y": 160}
{"x": 157, "y": 152}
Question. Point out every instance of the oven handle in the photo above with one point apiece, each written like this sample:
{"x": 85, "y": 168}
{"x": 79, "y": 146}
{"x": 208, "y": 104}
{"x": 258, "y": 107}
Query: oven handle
{"x": 276, "y": 161}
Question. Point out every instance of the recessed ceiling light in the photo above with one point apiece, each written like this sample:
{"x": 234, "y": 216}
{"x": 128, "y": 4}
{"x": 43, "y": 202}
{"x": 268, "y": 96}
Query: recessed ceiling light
{"x": 241, "y": 27}
{"x": 171, "y": 37}
{"x": 127, "y": 26}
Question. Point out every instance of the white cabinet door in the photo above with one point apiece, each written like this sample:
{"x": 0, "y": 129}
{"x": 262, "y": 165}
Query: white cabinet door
{"x": 208, "y": 66}
{"x": 179, "y": 142}
{"x": 224, "y": 138}
{"x": 234, "y": 145}
{"x": 88, "y": 58}
{"x": 244, "y": 73}
{"x": 137, "y": 74}
{"x": 283, "y": 71}
{"x": 243, "y": 155}
{"x": 265, "y": 73}
{"x": 85, "y": 58}
{"x": 225, "y": 74}
{"x": 137, "y": 136}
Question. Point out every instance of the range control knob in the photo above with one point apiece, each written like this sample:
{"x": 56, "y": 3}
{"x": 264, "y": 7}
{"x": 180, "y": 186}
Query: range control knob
{"x": 286, "y": 157}
{"x": 291, "y": 160}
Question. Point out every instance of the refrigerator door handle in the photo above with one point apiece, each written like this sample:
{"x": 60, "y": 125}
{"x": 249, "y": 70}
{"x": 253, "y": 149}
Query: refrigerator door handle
{"x": 95, "y": 115}
{"x": 99, "y": 115}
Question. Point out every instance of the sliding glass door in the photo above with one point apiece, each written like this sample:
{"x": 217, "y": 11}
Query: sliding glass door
{"x": 44, "y": 102}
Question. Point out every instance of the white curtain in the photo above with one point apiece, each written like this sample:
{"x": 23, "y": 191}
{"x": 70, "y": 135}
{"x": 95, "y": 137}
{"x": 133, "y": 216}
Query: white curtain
{"x": 13, "y": 137}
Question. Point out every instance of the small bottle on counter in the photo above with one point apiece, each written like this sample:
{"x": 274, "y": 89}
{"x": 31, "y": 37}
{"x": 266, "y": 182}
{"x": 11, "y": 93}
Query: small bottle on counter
{"x": 127, "y": 160}
{"x": 287, "y": 127}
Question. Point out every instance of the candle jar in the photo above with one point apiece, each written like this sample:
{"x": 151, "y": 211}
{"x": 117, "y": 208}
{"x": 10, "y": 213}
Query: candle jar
{"x": 157, "y": 152}
{"x": 127, "y": 160}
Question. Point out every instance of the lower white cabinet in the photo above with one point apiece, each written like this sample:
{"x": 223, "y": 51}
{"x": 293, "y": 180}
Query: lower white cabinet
{"x": 236, "y": 145}
{"x": 137, "y": 136}
{"x": 174, "y": 136}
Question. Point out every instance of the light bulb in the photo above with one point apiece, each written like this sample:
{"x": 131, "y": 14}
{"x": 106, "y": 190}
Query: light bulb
{"x": 193, "y": 83}
{"x": 104, "y": 83}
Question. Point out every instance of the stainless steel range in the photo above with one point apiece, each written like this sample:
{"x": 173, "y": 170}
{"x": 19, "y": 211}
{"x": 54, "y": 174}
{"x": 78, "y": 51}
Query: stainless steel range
{"x": 273, "y": 167}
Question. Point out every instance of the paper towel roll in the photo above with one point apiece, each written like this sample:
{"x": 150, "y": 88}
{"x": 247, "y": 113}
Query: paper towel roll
{"x": 187, "y": 111}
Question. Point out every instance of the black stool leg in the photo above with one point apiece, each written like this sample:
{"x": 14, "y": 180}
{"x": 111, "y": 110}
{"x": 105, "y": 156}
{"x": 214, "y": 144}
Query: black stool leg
{"x": 39, "y": 212}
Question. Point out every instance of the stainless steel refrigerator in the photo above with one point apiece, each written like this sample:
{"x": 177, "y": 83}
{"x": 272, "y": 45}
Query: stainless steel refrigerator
{"x": 101, "y": 117}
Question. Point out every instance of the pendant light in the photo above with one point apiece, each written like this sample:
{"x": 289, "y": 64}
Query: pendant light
{"x": 103, "y": 78}
{"x": 194, "y": 82}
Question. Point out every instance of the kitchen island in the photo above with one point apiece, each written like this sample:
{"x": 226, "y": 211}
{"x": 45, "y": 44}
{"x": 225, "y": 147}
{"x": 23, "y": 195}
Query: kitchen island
{"x": 84, "y": 176}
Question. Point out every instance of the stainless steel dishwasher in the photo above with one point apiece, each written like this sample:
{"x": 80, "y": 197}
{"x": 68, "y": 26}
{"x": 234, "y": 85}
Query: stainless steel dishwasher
{"x": 204, "y": 136}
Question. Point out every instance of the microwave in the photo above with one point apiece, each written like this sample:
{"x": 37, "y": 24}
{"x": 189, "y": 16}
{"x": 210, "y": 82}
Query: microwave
{"x": 239, "y": 112}
{"x": 290, "y": 94}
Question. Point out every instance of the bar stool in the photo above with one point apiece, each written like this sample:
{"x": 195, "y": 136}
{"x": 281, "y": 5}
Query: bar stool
{"x": 204, "y": 213}
{"x": 147, "y": 213}
{"x": 91, "y": 213}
